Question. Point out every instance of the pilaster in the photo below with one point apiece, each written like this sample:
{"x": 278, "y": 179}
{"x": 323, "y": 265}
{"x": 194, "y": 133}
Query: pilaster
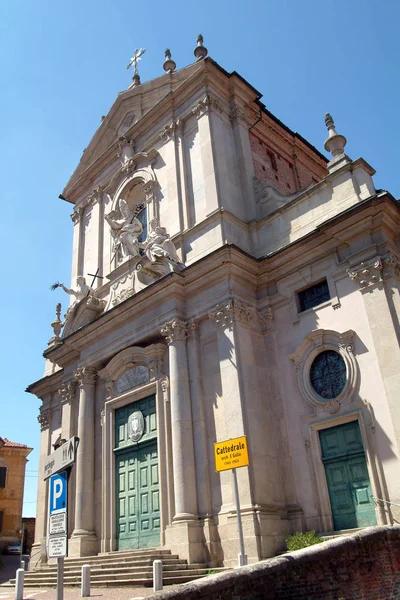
{"x": 378, "y": 283}
{"x": 202, "y": 110}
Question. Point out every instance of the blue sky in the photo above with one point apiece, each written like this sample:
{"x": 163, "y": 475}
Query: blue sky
{"x": 62, "y": 65}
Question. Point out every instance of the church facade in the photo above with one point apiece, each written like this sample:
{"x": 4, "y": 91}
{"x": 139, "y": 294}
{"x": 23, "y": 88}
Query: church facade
{"x": 244, "y": 285}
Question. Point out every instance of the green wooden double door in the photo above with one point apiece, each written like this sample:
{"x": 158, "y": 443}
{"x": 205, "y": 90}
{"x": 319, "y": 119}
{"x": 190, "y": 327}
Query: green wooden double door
{"x": 137, "y": 482}
{"x": 347, "y": 476}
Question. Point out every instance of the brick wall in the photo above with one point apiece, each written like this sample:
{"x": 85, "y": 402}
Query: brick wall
{"x": 283, "y": 161}
{"x": 365, "y": 565}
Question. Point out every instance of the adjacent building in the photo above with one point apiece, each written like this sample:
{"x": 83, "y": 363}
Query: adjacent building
{"x": 227, "y": 279}
{"x": 13, "y": 459}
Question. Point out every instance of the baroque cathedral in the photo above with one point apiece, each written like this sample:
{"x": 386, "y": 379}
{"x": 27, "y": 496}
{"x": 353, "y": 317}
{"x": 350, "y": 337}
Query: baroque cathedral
{"x": 228, "y": 279}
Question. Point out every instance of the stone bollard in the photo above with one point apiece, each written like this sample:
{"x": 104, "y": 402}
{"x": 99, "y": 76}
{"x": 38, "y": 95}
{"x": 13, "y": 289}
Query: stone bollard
{"x": 85, "y": 584}
{"x": 19, "y": 584}
{"x": 157, "y": 576}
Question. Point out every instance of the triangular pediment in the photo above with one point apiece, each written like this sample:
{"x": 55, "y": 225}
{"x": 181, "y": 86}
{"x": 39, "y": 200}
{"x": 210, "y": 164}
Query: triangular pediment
{"x": 128, "y": 109}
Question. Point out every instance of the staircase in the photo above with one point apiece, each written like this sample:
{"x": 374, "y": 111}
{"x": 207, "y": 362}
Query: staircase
{"x": 134, "y": 568}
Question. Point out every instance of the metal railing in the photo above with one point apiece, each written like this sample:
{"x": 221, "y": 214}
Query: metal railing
{"x": 386, "y": 501}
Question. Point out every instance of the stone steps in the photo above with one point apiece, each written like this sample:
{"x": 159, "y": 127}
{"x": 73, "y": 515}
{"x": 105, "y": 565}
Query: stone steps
{"x": 115, "y": 569}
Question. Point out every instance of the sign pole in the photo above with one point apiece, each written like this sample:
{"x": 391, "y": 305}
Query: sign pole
{"x": 242, "y": 557}
{"x": 60, "y": 578}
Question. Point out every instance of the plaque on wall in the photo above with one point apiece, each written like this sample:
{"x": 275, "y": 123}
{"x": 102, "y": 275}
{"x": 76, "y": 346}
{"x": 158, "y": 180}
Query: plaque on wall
{"x": 136, "y": 425}
{"x": 132, "y": 378}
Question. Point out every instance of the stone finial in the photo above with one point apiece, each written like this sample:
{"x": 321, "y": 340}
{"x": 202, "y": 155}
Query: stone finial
{"x": 169, "y": 64}
{"x": 335, "y": 143}
{"x": 200, "y": 51}
{"x": 57, "y": 325}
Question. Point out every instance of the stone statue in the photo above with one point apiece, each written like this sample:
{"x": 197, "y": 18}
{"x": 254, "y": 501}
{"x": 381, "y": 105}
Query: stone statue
{"x": 158, "y": 244}
{"x": 83, "y": 291}
{"x": 125, "y": 232}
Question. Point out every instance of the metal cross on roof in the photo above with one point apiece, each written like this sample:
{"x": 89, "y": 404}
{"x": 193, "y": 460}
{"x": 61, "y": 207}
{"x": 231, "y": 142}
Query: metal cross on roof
{"x": 135, "y": 59}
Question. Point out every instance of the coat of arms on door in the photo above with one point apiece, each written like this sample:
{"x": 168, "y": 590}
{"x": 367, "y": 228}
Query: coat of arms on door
{"x": 136, "y": 426}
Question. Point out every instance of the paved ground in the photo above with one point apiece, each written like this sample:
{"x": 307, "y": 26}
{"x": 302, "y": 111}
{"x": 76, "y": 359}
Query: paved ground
{"x": 11, "y": 564}
{"x": 124, "y": 593}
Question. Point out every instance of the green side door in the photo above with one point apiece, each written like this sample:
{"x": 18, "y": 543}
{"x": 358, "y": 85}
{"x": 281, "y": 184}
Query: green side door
{"x": 347, "y": 476}
{"x": 137, "y": 480}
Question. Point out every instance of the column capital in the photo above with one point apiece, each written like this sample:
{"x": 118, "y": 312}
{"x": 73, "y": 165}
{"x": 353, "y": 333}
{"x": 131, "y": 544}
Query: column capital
{"x": 193, "y": 329}
{"x": 67, "y": 392}
{"x": 265, "y": 319}
{"x": 95, "y": 195}
{"x": 44, "y": 417}
{"x": 230, "y": 311}
{"x": 77, "y": 214}
{"x": 367, "y": 273}
{"x": 86, "y": 375}
{"x": 174, "y": 331}
{"x": 209, "y": 102}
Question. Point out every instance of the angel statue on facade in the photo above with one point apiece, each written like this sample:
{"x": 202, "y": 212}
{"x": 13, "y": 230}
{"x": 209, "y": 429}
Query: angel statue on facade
{"x": 159, "y": 245}
{"x": 125, "y": 232}
{"x": 83, "y": 291}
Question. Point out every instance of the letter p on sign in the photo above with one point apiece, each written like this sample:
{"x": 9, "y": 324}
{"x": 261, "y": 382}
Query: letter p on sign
{"x": 58, "y": 492}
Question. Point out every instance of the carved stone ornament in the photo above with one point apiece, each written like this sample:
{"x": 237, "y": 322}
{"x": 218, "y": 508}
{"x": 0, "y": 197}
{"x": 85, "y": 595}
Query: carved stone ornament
{"x": 95, "y": 196}
{"x": 132, "y": 378}
{"x": 207, "y": 103}
{"x": 194, "y": 329}
{"x": 265, "y": 319}
{"x": 313, "y": 344}
{"x": 238, "y": 116}
{"x": 132, "y": 368}
{"x": 136, "y": 426}
{"x": 174, "y": 331}
{"x": 44, "y": 418}
{"x": 390, "y": 266}
{"x": 230, "y": 311}
{"x": 86, "y": 375}
{"x": 268, "y": 195}
{"x": 121, "y": 289}
{"x": 168, "y": 132}
{"x": 367, "y": 273}
{"x": 77, "y": 214}
{"x": 67, "y": 392}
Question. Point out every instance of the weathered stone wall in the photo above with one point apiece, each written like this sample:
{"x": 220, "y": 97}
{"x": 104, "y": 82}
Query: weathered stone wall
{"x": 365, "y": 565}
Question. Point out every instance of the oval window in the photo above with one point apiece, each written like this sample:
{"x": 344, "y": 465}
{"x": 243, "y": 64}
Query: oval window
{"x": 328, "y": 374}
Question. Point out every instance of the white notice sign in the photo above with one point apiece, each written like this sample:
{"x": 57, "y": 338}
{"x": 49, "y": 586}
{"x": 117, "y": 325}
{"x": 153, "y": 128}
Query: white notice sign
{"x": 58, "y": 523}
{"x": 57, "y": 546}
{"x": 61, "y": 458}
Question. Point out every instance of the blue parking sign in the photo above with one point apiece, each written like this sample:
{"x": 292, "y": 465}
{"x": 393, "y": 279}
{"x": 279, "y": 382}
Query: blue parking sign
{"x": 58, "y": 492}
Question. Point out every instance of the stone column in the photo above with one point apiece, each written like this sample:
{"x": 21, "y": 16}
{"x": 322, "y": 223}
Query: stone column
{"x": 181, "y": 421}
{"x": 83, "y": 541}
{"x": 38, "y": 554}
{"x": 184, "y": 536}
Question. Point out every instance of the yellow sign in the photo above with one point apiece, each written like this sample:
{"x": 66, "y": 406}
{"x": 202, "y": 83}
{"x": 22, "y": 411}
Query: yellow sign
{"x": 231, "y": 454}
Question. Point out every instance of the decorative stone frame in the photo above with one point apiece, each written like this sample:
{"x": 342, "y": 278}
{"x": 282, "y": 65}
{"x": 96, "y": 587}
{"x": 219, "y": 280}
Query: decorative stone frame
{"x": 362, "y": 413}
{"x": 314, "y": 343}
{"x": 152, "y": 357}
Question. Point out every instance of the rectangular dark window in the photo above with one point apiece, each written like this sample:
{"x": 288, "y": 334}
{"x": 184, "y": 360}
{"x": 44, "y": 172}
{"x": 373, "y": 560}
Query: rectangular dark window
{"x": 314, "y": 295}
{"x": 1, "y": 520}
{"x": 3, "y": 473}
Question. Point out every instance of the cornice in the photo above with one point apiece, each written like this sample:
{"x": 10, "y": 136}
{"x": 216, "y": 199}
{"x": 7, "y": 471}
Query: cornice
{"x": 47, "y": 385}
